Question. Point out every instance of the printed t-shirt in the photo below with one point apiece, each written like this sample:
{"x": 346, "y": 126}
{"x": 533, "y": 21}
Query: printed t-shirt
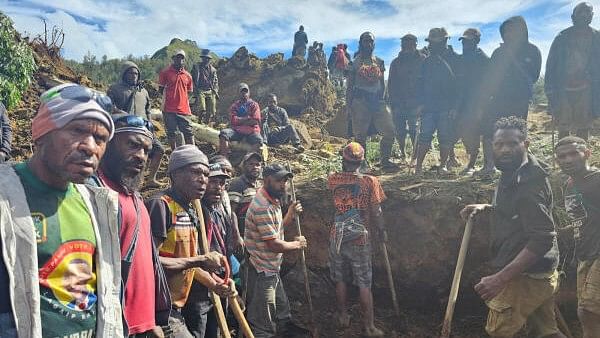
{"x": 582, "y": 202}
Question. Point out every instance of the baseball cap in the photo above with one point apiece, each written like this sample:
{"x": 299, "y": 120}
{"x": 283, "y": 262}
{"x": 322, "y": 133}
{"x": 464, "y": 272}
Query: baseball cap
{"x": 215, "y": 169}
{"x": 277, "y": 171}
{"x": 179, "y": 52}
{"x": 244, "y": 85}
{"x": 437, "y": 34}
{"x": 353, "y": 152}
{"x": 471, "y": 34}
{"x": 251, "y": 155}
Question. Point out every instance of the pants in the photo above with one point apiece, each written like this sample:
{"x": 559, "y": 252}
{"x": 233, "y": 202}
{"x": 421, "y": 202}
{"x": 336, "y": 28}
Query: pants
{"x": 588, "y": 286}
{"x": 232, "y": 135}
{"x": 363, "y": 114}
{"x": 402, "y": 120}
{"x": 7, "y": 325}
{"x": 175, "y": 122}
{"x": 283, "y": 135}
{"x": 440, "y": 122}
{"x": 207, "y": 102}
{"x": 177, "y": 327}
{"x": 200, "y": 319}
{"x": 267, "y": 303}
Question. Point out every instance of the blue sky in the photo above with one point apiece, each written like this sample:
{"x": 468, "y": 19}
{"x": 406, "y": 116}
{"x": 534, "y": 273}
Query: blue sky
{"x": 123, "y": 27}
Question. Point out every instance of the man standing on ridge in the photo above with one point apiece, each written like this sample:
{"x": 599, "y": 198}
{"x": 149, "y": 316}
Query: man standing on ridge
{"x": 206, "y": 87}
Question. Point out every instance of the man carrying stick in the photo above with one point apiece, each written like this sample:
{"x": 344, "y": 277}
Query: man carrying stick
{"x": 268, "y": 305}
{"x": 357, "y": 200}
{"x": 523, "y": 239}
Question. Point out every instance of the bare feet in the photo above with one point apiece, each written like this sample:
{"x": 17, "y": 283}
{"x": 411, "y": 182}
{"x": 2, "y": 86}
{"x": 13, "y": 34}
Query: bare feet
{"x": 373, "y": 331}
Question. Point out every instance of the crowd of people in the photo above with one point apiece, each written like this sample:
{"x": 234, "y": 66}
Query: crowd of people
{"x": 83, "y": 254}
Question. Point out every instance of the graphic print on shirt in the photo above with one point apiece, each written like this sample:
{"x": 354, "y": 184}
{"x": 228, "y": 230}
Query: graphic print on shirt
{"x": 577, "y": 213}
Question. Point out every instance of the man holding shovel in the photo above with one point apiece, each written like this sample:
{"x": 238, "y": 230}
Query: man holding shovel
{"x": 357, "y": 200}
{"x": 523, "y": 239}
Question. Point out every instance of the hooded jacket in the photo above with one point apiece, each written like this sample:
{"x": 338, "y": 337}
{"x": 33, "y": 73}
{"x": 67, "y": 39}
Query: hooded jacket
{"x": 130, "y": 99}
{"x": 514, "y": 69}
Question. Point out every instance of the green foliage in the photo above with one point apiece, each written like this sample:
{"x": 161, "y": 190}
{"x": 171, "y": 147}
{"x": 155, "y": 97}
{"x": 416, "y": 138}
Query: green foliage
{"x": 17, "y": 64}
{"x": 539, "y": 97}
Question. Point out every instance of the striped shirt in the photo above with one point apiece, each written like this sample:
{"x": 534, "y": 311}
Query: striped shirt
{"x": 264, "y": 222}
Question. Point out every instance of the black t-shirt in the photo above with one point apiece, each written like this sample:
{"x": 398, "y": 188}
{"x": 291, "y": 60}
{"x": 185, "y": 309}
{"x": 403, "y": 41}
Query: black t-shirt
{"x": 582, "y": 203}
{"x": 4, "y": 285}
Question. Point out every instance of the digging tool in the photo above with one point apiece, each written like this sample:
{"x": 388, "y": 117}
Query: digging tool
{"x": 388, "y": 269}
{"x": 235, "y": 306}
{"x": 460, "y": 263}
{"x": 415, "y": 147}
{"x": 562, "y": 323}
{"x": 313, "y": 323}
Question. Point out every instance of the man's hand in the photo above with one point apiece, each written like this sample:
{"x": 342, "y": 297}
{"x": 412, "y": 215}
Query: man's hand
{"x": 156, "y": 332}
{"x": 302, "y": 243}
{"x": 474, "y": 210}
{"x": 224, "y": 290}
{"x": 490, "y": 286}
{"x": 213, "y": 261}
{"x": 294, "y": 210}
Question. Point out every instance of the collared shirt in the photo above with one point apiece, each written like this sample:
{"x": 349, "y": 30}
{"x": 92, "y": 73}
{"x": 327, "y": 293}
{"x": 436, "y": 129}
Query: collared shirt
{"x": 177, "y": 84}
{"x": 264, "y": 222}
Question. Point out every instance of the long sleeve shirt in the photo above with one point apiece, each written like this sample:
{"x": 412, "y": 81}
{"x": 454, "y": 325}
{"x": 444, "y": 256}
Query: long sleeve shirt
{"x": 245, "y": 109}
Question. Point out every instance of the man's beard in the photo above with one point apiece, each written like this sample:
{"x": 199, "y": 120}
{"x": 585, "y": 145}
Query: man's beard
{"x": 512, "y": 165}
{"x": 275, "y": 193}
{"x": 115, "y": 170}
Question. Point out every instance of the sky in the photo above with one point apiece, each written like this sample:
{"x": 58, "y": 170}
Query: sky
{"x": 140, "y": 27}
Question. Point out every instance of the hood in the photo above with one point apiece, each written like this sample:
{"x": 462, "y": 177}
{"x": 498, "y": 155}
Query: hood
{"x": 125, "y": 67}
{"x": 519, "y": 23}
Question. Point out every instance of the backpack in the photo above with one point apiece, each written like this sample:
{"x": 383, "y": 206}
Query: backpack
{"x": 350, "y": 225}
{"x": 341, "y": 61}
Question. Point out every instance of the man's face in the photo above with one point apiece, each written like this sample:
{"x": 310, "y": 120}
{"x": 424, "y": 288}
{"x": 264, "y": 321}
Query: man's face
{"x": 191, "y": 180}
{"x": 367, "y": 44}
{"x": 74, "y": 151}
{"x": 276, "y": 187}
{"x": 244, "y": 94}
{"x": 126, "y": 158}
{"x": 572, "y": 159}
{"x": 252, "y": 168}
{"x": 204, "y": 60}
{"x": 438, "y": 46}
{"x": 132, "y": 76}
{"x": 510, "y": 149}
{"x": 408, "y": 45}
{"x": 469, "y": 45}
{"x": 513, "y": 34}
{"x": 214, "y": 189}
{"x": 178, "y": 61}
{"x": 273, "y": 102}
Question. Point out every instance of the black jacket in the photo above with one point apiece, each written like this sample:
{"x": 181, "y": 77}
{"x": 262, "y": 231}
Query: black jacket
{"x": 522, "y": 218}
{"x": 438, "y": 83}
{"x": 6, "y": 134}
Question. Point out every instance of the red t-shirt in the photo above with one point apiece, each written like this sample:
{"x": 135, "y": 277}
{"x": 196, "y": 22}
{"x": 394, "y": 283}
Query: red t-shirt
{"x": 177, "y": 84}
{"x": 140, "y": 289}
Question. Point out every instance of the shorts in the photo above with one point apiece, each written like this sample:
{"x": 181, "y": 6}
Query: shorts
{"x": 402, "y": 118}
{"x": 232, "y": 135}
{"x": 468, "y": 128}
{"x": 525, "y": 300}
{"x": 440, "y": 122}
{"x": 588, "y": 286}
{"x": 363, "y": 115}
{"x": 176, "y": 121}
{"x": 574, "y": 110}
{"x": 351, "y": 264}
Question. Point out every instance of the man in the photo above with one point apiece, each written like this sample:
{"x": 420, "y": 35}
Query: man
{"x": 146, "y": 302}
{"x": 58, "y": 236}
{"x": 514, "y": 69}
{"x": 206, "y": 85}
{"x": 223, "y": 237}
{"x": 5, "y": 134}
{"x": 365, "y": 99}
{"x": 300, "y": 42}
{"x": 402, "y": 91}
{"x": 357, "y": 199}
{"x": 338, "y": 64}
{"x": 245, "y": 123}
{"x": 268, "y": 305}
{"x": 243, "y": 188}
{"x": 474, "y": 66}
{"x": 582, "y": 203}
{"x": 176, "y": 83}
{"x": 175, "y": 229}
{"x": 129, "y": 96}
{"x": 572, "y": 76}
{"x": 438, "y": 98}
{"x": 523, "y": 239}
{"x": 277, "y": 127}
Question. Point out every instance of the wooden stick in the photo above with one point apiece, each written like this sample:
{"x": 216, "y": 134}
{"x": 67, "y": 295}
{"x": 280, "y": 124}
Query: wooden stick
{"x": 462, "y": 254}
{"x": 213, "y": 295}
{"x": 303, "y": 262}
{"x": 562, "y": 323}
{"x": 388, "y": 269}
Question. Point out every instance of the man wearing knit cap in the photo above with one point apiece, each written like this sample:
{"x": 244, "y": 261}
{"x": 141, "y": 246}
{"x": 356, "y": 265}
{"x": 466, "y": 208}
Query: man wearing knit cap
{"x": 357, "y": 199}
{"x": 175, "y": 229}
{"x": 176, "y": 83}
{"x": 147, "y": 303}
{"x": 60, "y": 237}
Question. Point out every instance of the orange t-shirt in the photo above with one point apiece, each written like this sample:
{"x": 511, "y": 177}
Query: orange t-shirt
{"x": 343, "y": 186}
{"x": 177, "y": 84}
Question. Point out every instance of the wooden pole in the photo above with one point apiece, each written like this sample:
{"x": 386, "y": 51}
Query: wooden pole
{"x": 388, "y": 269}
{"x": 462, "y": 254}
{"x": 303, "y": 263}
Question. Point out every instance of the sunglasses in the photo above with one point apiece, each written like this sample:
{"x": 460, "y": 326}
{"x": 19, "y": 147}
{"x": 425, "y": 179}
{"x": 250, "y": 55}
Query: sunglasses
{"x": 81, "y": 94}
{"x": 134, "y": 121}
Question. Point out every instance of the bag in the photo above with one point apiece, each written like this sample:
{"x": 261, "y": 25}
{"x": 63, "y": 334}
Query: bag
{"x": 350, "y": 225}
{"x": 341, "y": 61}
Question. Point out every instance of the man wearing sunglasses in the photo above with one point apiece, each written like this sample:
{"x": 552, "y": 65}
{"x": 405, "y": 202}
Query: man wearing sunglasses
{"x": 176, "y": 83}
{"x": 60, "y": 268}
{"x": 129, "y": 96}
